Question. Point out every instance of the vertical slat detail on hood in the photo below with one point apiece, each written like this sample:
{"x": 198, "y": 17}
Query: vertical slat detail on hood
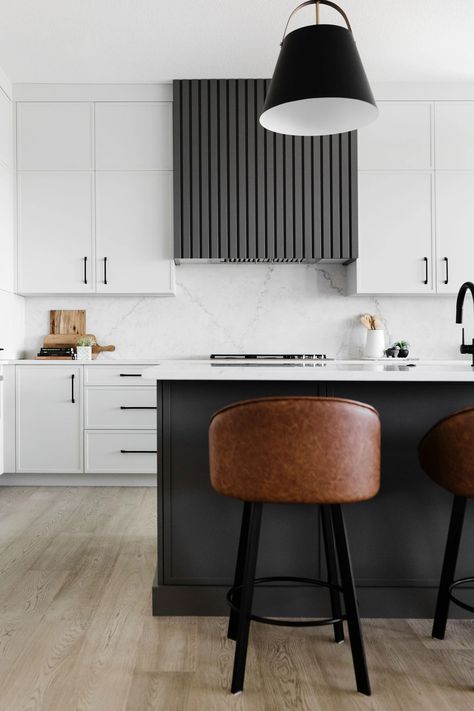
{"x": 245, "y": 194}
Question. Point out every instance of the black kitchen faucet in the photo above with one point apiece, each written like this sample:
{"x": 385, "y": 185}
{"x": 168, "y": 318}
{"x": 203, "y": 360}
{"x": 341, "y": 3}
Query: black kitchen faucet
{"x": 467, "y": 286}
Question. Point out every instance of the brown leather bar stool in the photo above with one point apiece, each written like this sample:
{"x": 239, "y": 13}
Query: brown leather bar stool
{"x": 308, "y": 450}
{"x": 446, "y": 454}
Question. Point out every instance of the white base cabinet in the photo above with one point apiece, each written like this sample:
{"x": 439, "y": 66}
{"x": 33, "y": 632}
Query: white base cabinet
{"x": 76, "y": 419}
{"x": 49, "y": 435}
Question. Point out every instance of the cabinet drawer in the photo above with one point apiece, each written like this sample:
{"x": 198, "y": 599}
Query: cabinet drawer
{"x": 115, "y": 375}
{"x": 120, "y": 452}
{"x": 131, "y": 408}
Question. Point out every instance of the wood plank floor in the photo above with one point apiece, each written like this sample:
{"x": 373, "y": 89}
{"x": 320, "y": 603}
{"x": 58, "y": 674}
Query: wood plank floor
{"x": 76, "y": 630}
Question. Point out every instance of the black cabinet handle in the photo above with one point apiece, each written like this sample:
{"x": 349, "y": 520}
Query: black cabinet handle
{"x": 73, "y": 398}
{"x": 130, "y": 375}
{"x": 105, "y": 270}
{"x": 446, "y": 273}
{"x": 138, "y": 451}
{"x": 425, "y": 259}
{"x": 138, "y": 407}
{"x": 85, "y": 270}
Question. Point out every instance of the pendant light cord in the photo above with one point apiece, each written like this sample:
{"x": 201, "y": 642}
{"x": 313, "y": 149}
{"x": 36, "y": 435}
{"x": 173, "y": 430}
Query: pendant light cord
{"x": 318, "y": 3}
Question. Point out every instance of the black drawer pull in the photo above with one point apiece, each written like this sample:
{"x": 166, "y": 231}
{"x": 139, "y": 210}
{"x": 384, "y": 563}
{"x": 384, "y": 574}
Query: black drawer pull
{"x": 85, "y": 270}
{"x": 446, "y": 264}
{"x": 105, "y": 270}
{"x": 138, "y": 407}
{"x": 130, "y": 375}
{"x": 73, "y": 397}
{"x": 138, "y": 451}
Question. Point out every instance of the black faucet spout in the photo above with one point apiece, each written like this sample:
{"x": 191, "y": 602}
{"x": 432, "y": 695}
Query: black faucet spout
{"x": 467, "y": 286}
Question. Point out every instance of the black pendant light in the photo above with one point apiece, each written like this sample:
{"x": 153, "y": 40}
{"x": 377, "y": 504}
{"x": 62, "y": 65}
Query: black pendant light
{"x": 319, "y": 85}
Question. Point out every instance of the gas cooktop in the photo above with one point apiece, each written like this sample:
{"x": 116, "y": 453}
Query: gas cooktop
{"x": 269, "y": 356}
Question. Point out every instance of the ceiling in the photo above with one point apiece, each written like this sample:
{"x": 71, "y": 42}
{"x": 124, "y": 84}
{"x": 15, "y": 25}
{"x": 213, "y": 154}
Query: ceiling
{"x": 151, "y": 40}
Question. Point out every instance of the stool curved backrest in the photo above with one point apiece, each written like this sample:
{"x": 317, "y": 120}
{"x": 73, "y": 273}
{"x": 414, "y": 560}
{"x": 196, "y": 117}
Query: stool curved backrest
{"x": 446, "y": 453}
{"x": 313, "y": 450}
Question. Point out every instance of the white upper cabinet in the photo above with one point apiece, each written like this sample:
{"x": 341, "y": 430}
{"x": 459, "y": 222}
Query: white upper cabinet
{"x": 7, "y": 282}
{"x": 55, "y": 232}
{"x": 134, "y": 233}
{"x": 55, "y": 136}
{"x": 400, "y": 139}
{"x": 454, "y": 131}
{"x": 454, "y": 230}
{"x": 395, "y": 247}
{"x": 133, "y": 136}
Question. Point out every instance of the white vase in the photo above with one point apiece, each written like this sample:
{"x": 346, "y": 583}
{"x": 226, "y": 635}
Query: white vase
{"x": 84, "y": 352}
{"x": 375, "y": 344}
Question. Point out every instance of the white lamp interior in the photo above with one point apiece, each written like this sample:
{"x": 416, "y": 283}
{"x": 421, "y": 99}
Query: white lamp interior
{"x": 319, "y": 117}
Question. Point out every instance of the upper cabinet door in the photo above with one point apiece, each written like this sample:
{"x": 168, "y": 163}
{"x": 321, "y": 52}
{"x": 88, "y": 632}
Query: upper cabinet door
{"x": 454, "y": 230}
{"x": 400, "y": 139}
{"x": 134, "y": 233}
{"x": 454, "y": 122}
{"x": 55, "y": 233}
{"x": 395, "y": 250}
{"x": 55, "y": 136}
{"x": 133, "y": 136}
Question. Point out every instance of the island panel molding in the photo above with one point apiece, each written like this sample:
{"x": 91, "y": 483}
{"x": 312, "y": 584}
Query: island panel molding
{"x": 242, "y": 193}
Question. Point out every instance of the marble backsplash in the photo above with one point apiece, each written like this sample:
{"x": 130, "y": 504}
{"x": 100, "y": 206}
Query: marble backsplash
{"x": 256, "y": 307}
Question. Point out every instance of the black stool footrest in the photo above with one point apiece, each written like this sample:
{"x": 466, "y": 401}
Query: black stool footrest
{"x": 289, "y": 623}
{"x": 464, "y": 605}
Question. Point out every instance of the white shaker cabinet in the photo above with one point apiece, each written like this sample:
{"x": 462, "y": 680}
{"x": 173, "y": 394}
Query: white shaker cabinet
{"x": 454, "y": 135}
{"x": 400, "y": 138}
{"x": 54, "y": 136}
{"x": 395, "y": 247}
{"x": 454, "y": 230}
{"x": 7, "y": 281}
{"x": 49, "y": 435}
{"x": 55, "y": 233}
{"x": 134, "y": 233}
{"x": 133, "y": 136}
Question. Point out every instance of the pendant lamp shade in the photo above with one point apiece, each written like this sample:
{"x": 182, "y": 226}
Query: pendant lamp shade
{"x": 319, "y": 85}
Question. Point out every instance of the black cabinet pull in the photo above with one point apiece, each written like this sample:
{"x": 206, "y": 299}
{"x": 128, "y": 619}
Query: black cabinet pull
{"x": 138, "y": 451}
{"x": 130, "y": 375}
{"x": 138, "y": 407}
{"x": 105, "y": 270}
{"x": 85, "y": 270}
{"x": 446, "y": 273}
{"x": 73, "y": 398}
{"x": 425, "y": 280}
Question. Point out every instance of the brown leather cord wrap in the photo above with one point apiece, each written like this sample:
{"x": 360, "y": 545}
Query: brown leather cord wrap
{"x": 446, "y": 453}
{"x": 312, "y": 450}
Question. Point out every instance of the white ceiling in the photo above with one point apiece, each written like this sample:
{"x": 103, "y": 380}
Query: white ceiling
{"x": 152, "y": 40}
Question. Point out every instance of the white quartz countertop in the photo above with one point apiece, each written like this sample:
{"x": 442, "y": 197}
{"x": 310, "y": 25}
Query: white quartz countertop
{"x": 384, "y": 370}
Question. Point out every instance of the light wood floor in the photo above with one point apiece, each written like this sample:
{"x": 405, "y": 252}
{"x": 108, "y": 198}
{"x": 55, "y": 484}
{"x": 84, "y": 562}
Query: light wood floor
{"x": 76, "y": 630}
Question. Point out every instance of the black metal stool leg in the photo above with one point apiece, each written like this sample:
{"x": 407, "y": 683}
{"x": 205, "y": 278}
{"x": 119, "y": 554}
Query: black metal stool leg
{"x": 250, "y": 564}
{"x": 449, "y": 566}
{"x": 239, "y": 571}
{"x": 350, "y": 600}
{"x": 331, "y": 564}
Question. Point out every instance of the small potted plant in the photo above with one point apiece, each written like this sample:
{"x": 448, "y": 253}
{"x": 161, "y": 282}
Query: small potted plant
{"x": 84, "y": 348}
{"x": 404, "y": 349}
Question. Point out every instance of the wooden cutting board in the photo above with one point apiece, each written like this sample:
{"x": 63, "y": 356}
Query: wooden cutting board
{"x": 67, "y": 322}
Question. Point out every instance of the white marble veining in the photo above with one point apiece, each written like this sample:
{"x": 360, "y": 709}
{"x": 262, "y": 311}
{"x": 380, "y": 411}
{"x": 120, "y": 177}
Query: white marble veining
{"x": 256, "y": 307}
{"x": 12, "y": 325}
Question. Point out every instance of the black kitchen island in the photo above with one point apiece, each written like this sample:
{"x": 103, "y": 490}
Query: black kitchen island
{"x": 397, "y": 539}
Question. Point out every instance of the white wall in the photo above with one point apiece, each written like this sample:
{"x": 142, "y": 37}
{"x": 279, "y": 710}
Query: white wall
{"x": 256, "y": 307}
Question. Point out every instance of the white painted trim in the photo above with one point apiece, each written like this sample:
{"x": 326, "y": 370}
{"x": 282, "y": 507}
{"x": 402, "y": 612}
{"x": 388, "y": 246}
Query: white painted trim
{"x": 93, "y": 92}
{"x": 78, "y": 480}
